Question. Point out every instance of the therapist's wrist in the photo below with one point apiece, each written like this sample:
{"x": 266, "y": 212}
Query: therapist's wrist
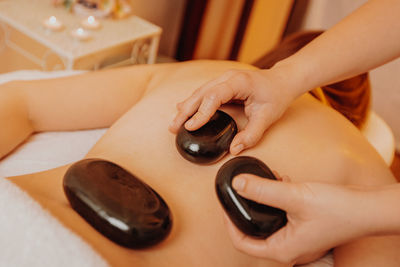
{"x": 297, "y": 75}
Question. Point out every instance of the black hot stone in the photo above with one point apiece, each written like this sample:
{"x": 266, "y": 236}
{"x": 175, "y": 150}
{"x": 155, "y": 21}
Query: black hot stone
{"x": 209, "y": 143}
{"x": 251, "y": 218}
{"x": 117, "y": 204}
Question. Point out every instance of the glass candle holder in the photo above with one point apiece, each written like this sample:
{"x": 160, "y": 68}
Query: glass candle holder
{"x": 52, "y": 23}
{"x": 81, "y": 34}
{"x": 91, "y": 23}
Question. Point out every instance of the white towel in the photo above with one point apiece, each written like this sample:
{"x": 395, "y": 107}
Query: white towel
{"x": 31, "y": 237}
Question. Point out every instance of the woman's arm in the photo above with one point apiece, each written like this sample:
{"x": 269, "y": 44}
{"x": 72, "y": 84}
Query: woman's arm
{"x": 89, "y": 100}
{"x": 364, "y": 40}
{"x": 14, "y": 123}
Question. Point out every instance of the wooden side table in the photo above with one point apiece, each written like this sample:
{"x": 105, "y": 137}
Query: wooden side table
{"x": 26, "y": 44}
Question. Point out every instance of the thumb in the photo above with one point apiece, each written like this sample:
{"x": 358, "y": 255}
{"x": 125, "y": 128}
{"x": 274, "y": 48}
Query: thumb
{"x": 260, "y": 118}
{"x": 251, "y": 134}
{"x": 282, "y": 195}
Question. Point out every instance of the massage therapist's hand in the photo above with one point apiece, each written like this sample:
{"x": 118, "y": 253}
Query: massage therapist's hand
{"x": 320, "y": 217}
{"x": 266, "y": 94}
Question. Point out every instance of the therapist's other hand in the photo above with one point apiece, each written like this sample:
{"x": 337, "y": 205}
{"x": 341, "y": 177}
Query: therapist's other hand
{"x": 320, "y": 217}
{"x": 264, "y": 93}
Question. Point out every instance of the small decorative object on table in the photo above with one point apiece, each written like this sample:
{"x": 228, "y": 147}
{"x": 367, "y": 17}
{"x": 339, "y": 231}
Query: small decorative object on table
{"x": 31, "y": 39}
{"x": 91, "y": 23}
{"x": 53, "y": 24}
{"x": 81, "y": 34}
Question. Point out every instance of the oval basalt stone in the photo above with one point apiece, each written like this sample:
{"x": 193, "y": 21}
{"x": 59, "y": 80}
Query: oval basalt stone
{"x": 209, "y": 143}
{"x": 250, "y": 217}
{"x": 117, "y": 204}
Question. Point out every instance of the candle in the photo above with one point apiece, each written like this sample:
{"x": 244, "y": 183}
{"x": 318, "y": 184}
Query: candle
{"x": 91, "y": 23}
{"x": 81, "y": 34}
{"x": 53, "y": 24}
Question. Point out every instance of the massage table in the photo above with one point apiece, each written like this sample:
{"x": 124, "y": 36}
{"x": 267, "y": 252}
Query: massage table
{"x": 30, "y": 236}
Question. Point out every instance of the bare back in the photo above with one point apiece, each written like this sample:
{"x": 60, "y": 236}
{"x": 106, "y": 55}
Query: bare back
{"x": 310, "y": 143}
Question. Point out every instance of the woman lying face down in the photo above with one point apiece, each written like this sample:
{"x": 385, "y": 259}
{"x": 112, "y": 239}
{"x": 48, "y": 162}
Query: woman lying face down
{"x": 309, "y": 143}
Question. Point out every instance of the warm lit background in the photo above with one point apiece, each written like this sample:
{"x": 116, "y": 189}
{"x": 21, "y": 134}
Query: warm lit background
{"x": 245, "y": 30}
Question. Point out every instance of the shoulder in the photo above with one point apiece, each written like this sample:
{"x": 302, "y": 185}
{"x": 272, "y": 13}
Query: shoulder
{"x": 321, "y": 145}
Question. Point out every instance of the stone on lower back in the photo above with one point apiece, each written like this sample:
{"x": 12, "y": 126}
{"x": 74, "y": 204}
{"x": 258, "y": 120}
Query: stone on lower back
{"x": 117, "y": 204}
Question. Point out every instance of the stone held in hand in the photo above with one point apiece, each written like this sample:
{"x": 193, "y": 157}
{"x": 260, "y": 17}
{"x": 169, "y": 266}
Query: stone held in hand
{"x": 209, "y": 143}
{"x": 252, "y": 218}
{"x": 117, "y": 204}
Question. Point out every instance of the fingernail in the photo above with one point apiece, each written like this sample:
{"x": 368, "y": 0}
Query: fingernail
{"x": 237, "y": 149}
{"x": 189, "y": 124}
{"x": 239, "y": 184}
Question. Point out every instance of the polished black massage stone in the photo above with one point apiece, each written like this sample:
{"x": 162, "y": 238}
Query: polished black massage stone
{"x": 252, "y": 218}
{"x": 117, "y": 204}
{"x": 209, "y": 143}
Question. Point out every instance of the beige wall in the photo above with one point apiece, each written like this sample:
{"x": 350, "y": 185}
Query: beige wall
{"x": 264, "y": 29}
{"x": 167, "y": 14}
{"x": 322, "y": 14}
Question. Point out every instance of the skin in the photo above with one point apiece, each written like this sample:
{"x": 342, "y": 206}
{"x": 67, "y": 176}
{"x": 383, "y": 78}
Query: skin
{"x": 362, "y": 41}
{"x": 137, "y": 103}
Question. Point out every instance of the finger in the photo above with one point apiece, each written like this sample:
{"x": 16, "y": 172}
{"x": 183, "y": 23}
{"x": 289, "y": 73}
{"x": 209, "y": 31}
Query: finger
{"x": 189, "y": 106}
{"x": 261, "y": 248}
{"x": 185, "y": 110}
{"x": 266, "y": 191}
{"x": 287, "y": 246}
{"x": 220, "y": 94}
{"x": 242, "y": 242}
{"x": 232, "y": 85}
{"x": 209, "y": 105}
{"x": 251, "y": 134}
